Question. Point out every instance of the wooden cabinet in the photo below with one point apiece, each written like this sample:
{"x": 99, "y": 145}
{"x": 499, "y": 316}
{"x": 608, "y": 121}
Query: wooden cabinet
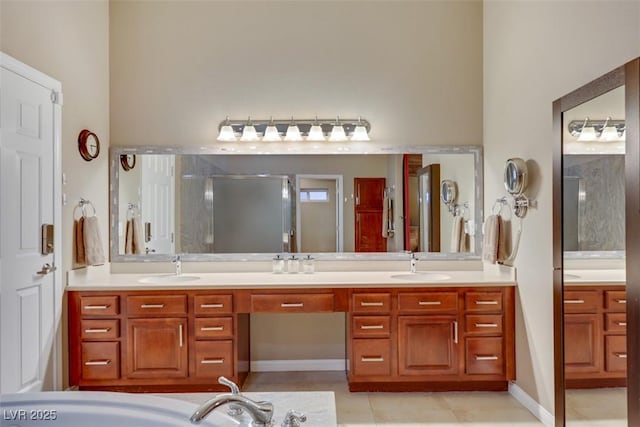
{"x": 432, "y": 339}
{"x": 595, "y": 335}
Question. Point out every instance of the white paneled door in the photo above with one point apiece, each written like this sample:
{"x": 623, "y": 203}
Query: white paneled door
{"x": 30, "y": 288}
{"x": 158, "y": 193}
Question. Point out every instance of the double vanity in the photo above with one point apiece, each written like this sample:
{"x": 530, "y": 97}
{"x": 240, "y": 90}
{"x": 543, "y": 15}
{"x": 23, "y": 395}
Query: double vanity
{"x": 444, "y": 330}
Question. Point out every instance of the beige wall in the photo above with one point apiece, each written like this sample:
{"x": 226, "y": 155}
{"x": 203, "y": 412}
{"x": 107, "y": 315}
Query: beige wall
{"x": 69, "y": 41}
{"x": 179, "y": 67}
{"x": 534, "y": 53}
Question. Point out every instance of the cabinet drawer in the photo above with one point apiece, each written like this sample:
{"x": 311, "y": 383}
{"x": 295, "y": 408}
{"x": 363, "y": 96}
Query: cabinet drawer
{"x": 616, "y": 353}
{"x": 371, "y": 326}
{"x": 484, "y": 356}
{"x": 483, "y": 324}
{"x": 213, "y": 358}
{"x": 212, "y": 304}
{"x": 615, "y": 300}
{"x": 371, "y": 357}
{"x": 97, "y": 329}
{"x": 615, "y": 322}
{"x": 431, "y": 302}
{"x": 291, "y": 303}
{"x": 581, "y": 301}
{"x": 100, "y": 360}
{"x": 99, "y": 305}
{"x": 371, "y": 303}
{"x": 157, "y": 304}
{"x": 214, "y": 327}
{"x": 483, "y": 301}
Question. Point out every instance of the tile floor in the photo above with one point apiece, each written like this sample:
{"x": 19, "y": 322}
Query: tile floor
{"x": 602, "y": 407}
{"x": 471, "y": 409}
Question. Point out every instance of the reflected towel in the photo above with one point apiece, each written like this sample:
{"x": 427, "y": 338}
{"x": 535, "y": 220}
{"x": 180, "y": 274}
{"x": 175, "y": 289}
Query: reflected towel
{"x": 78, "y": 239}
{"x": 385, "y": 215}
{"x": 458, "y": 236}
{"x": 92, "y": 241}
{"x": 128, "y": 238}
{"x": 136, "y": 236}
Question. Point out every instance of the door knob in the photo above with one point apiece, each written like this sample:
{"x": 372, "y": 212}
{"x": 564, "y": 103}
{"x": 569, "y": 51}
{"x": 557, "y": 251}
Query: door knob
{"x": 46, "y": 269}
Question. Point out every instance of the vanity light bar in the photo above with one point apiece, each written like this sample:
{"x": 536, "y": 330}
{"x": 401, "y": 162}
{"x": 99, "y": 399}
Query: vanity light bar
{"x": 294, "y": 129}
{"x": 601, "y": 130}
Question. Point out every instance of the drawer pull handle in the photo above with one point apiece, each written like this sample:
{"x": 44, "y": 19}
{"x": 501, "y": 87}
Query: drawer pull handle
{"x": 486, "y": 325}
{"x": 429, "y": 302}
{"x": 97, "y": 331}
{"x": 372, "y": 359}
{"x": 487, "y": 302}
{"x": 211, "y": 305}
{"x": 574, "y": 301}
{"x": 371, "y": 304}
{"x": 621, "y": 355}
{"x": 621, "y": 323}
{"x": 212, "y": 361}
{"x": 96, "y": 307}
{"x": 372, "y": 327}
{"x": 212, "y": 328}
{"x": 152, "y": 306}
{"x": 97, "y": 362}
{"x": 621, "y": 301}
{"x": 291, "y": 304}
{"x": 180, "y": 335}
{"x": 486, "y": 357}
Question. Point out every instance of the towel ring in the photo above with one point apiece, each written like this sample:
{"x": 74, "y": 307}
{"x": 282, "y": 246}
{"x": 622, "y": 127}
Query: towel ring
{"x": 83, "y": 204}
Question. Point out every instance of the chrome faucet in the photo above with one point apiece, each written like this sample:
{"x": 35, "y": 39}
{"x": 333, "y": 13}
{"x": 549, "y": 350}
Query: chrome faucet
{"x": 260, "y": 412}
{"x": 178, "y": 262}
{"x": 414, "y": 262}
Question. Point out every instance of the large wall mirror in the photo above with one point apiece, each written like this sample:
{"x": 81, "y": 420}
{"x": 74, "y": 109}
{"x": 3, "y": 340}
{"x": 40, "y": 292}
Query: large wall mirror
{"x": 223, "y": 206}
{"x": 594, "y": 249}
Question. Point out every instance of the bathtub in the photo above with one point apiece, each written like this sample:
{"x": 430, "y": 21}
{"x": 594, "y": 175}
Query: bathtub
{"x": 101, "y": 409}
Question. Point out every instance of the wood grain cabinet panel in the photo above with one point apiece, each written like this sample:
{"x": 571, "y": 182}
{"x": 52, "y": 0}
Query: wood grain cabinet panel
{"x": 427, "y": 345}
{"x": 100, "y": 305}
{"x": 157, "y": 305}
{"x": 212, "y": 359}
{"x": 370, "y": 302}
{"x": 291, "y": 303}
{"x": 484, "y": 356}
{"x": 483, "y": 301}
{"x": 615, "y": 300}
{"x": 616, "y": 353}
{"x": 482, "y": 324}
{"x": 213, "y": 327}
{"x": 100, "y": 360}
{"x": 204, "y": 305}
{"x": 582, "y": 301}
{"x": 615, "y": 322}
{"x": 371, "y": 357}
{"x": 157, "y": 348}
{"x": 428, "y": 302}
{"x": 371, "y": 326}
{"x": 583, "y": 348}
{"x": 99, "y": 329}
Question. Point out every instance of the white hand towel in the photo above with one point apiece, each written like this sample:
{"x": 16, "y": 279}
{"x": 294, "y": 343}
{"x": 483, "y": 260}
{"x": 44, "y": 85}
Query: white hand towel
{"x": 92, "y": 241}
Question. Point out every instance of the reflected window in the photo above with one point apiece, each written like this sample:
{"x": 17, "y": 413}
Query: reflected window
{"x": 314, "y": 195}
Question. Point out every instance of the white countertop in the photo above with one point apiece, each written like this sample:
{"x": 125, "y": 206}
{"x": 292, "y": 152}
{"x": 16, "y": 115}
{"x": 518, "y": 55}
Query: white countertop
{"x": 253, "y": 280}
{"x": 594, "y": 277}
{"x": 318, "y": 406}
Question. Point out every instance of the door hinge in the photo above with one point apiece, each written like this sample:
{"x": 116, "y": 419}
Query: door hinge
{"x": 56, "y": 97}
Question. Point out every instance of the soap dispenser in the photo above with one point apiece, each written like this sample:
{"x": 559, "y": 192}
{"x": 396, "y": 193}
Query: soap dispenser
{"x": 307, "y": 265}
{"x": 277, "y": 265}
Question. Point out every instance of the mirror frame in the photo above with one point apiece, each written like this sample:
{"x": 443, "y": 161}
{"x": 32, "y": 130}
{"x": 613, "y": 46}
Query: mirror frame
{"x": 114, "y": 172}
{"x": 628, "y": 75}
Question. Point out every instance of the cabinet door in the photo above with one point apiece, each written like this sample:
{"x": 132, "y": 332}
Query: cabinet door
{"x": 368, "y": 215}
{"x": 157, "y": 348}
{"x": 427, "y": 345}
{"x": 369, "y": 193}
{"x": 583, "y": 343}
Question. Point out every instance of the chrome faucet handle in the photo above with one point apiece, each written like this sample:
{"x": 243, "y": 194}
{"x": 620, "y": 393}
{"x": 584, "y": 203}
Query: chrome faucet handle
{"x": 233, "y": 386}
{"x": 293, "y": 419}
{"x": 234, "y": 410}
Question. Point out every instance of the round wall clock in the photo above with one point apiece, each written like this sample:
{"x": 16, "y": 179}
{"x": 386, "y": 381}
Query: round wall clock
{"x": 88, "y": 145}
{"x": 128, "y": 161}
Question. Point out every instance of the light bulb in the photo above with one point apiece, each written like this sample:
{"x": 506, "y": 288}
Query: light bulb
{"x": 588, "y": 133}
{"x": 337, "y": 133}
{"x": 316, "y": 134}
{"x": 271, "y": 134}
{"x": 249, "y": 133}
{"x": 293, "y": 133}
{"x": 226, "y": 134}
{"x": 360, "y": 134}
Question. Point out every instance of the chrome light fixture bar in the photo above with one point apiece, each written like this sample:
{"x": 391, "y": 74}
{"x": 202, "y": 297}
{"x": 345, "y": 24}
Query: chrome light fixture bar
{"x": 597, "y": 130}
{"x": 294, "y": 129}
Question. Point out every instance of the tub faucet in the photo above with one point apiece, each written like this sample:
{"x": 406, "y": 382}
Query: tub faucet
{"x": 414, "y": 262}
{"x": 260, "y": 412}
{"x": 178, "y": 262}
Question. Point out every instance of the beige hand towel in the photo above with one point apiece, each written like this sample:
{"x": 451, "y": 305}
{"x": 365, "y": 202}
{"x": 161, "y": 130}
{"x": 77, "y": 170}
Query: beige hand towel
{"x": 79, "y": 242}
{"x": 502, "y": 253}
{"x": 136, "y": 236}
{"x": 385, "y": 215}
{"x": 92, "y": 241}
{"x": 457, "y": 234}
{"x": 128, "y": 238}
{"x": 490, "y": 239}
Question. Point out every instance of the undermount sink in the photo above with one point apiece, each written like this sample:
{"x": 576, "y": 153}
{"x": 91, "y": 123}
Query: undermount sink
{"x": 421, "y": 276}
{"x": 168, "y": 278}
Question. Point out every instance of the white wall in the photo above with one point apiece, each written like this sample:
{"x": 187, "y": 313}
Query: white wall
{"x": 69, "y": 41}
{"x": 534, "y": 53}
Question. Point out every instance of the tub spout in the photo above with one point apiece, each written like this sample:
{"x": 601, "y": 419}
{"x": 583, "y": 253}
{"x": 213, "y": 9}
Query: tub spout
{"x": 260, "y": 412}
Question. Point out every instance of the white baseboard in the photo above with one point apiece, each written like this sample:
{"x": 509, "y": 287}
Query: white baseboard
{"x": 298, "y": 365}
{"x": 534, "y": 407}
